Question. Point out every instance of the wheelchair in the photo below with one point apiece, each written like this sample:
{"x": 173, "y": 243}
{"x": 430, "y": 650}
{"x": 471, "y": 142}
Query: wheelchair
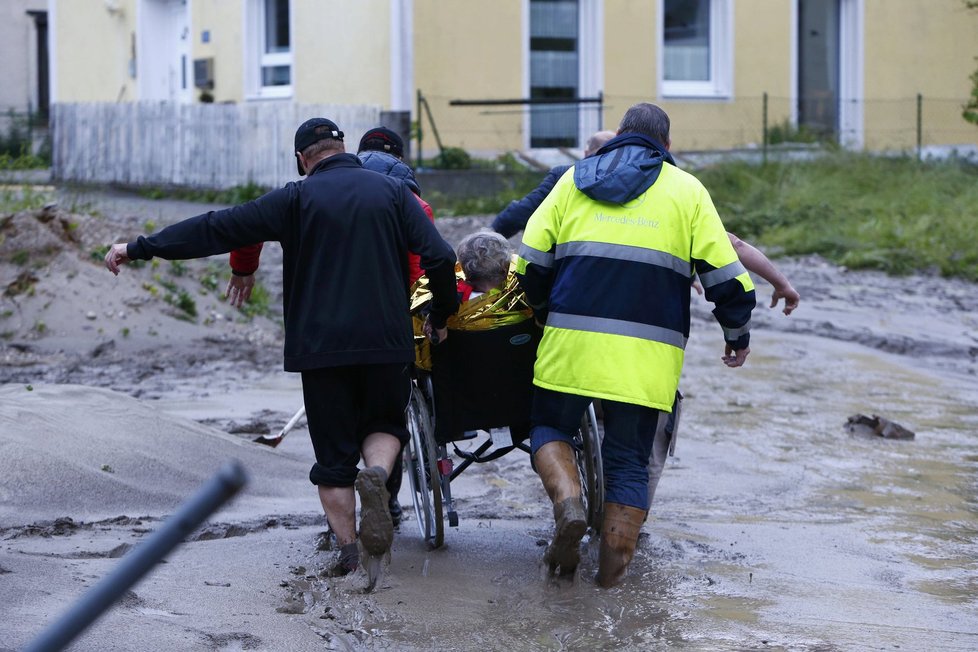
{"x": 481, "y": 380}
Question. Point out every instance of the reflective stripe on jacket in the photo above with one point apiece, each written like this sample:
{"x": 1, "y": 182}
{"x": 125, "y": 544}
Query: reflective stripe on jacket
{"x": 612, "y": 282}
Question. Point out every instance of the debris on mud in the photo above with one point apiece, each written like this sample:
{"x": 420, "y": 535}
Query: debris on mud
{"x": 876, "y": 426}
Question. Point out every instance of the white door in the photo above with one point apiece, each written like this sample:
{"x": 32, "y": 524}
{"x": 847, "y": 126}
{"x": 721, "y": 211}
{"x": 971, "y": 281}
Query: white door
{"x": 163, "y": 51}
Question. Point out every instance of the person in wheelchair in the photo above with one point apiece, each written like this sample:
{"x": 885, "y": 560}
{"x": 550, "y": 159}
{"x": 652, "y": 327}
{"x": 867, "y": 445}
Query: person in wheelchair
{"x": 480, "y": 379}
{"x": 482, "y": 375}
{"x": 485, "y": 258}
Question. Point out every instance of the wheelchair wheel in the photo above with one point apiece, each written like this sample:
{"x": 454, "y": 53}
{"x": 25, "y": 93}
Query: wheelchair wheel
{"x": 588, "y": 448}
{"x": 421, "y": 465}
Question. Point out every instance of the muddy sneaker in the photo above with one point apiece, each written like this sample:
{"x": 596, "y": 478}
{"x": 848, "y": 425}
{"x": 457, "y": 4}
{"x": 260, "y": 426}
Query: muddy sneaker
{"x": 564, "y": 552}
{"x": 376, "y": 526}
{"x": 348, "y": 561}
{"x": 327, "y": 541}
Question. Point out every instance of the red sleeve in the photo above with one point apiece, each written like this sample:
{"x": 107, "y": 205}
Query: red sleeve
{"x": 427, "y": 209}
{"x": 464, "y": 291}
{"x": 414, "y": 262}
{"x": 244, "y": 261}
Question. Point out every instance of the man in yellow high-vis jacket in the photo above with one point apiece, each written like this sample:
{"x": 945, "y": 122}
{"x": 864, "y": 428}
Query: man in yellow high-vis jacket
{"x": 606, "y": 263}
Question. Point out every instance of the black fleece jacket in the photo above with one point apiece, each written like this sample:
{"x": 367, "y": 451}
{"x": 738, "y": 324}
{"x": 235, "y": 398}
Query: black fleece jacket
{"x": 345, "y": 233}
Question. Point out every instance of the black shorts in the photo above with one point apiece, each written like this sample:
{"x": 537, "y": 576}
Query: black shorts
{"x": 343, "y": 406}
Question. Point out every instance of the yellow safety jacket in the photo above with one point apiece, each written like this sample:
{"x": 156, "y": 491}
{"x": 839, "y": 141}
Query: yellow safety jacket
{"x": 612, "y": 280}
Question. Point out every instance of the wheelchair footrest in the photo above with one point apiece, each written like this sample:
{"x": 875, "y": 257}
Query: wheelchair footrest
{"x": 479, "y": 456}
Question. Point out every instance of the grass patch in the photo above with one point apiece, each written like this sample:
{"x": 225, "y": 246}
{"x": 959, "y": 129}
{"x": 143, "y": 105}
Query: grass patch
{"x": 235, "y": 195}
{"x": 22, "y": 198}
{"x": 897, "y": 215}
{"x": 446, "y": 206}
{"x": 178, "y": 267}
{"x": 178, "y": 298}
{"x": 212, "y": 277}
{"x": 98, "y": 253}
{"x": 22, "y": 160}
{"x": 259, "y": 304}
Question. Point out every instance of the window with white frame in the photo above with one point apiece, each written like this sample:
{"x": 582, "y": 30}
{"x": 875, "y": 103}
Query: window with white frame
{"x": 269, "y": 47}
{"x": 554, "y": 72}
{"x": 696, "y": 55}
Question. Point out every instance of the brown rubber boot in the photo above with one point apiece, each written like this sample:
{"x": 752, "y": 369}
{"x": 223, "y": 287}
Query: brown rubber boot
{"x": 557, "y": 467}
{"x": 570, "y": 524}
{"x": 619, "y": 536}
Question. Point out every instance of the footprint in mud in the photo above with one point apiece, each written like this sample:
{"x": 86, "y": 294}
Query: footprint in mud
{"x": 232, "y": 641}
{"x": 356, "y": 616}
{"x": 303, "y": 592}
{"x": 114, "y": 553}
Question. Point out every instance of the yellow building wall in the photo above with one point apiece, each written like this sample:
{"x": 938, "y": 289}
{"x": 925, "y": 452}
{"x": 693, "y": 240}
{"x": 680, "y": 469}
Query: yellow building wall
{"x": 473, "y": 50}
{"x": 93, "y": 50}
{"x": 630, "y": 68}
{"x": 342, "y": 51}
{"x": 916, "y": 47}
{"x": 224, "y": 23}
{"x": 761, "y": 64}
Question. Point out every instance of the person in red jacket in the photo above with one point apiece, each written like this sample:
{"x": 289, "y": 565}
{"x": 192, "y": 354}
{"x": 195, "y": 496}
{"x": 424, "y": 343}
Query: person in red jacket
{"x": 382, "y": 150}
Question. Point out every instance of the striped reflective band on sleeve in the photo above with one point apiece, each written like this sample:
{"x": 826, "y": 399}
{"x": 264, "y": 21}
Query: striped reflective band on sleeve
{"x": 735, "y": 333}
{"x": 617, "y": 327}
{"x": 626, "y": 253}
{"x": 535, "y": 256}
{"x": 725, "y": 273}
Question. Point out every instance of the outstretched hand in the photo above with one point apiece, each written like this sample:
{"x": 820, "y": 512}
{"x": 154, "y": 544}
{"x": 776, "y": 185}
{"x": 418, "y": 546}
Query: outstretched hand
{"x": 116, "y": 255}
{"x": 733, "y": 358}
{"x": 239, "y": 289}
{"x": 790, "y": 296}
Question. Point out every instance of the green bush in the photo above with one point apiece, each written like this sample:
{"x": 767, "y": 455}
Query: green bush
{"x": 786, "y": 132}
{"x": 453, "y": 158}
{"x": 16, "y": 148}
{"x": 893, "y": 214}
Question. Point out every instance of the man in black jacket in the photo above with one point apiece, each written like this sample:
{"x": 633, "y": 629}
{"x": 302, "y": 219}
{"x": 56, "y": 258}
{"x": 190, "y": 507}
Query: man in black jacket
{"x": 345, "y": 234}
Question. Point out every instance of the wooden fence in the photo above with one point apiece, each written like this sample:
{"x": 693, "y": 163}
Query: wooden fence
{"x": 193, "y": 145}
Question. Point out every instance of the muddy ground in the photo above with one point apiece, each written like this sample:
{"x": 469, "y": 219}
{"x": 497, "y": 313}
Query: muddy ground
{"x": 773, "y": 528}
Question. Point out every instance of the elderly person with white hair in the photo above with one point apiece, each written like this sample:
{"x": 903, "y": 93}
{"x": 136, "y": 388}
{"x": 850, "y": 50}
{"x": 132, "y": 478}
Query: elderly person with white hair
{"x": 485, "y": 258}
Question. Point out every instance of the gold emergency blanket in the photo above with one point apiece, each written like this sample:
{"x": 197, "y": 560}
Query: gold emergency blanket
{"x": 491, "y": 310}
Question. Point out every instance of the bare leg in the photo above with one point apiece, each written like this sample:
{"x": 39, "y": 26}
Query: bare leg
{"x": 339, "y": 504}
{"x": 380, "y": 449}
